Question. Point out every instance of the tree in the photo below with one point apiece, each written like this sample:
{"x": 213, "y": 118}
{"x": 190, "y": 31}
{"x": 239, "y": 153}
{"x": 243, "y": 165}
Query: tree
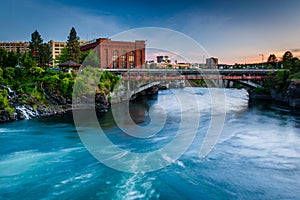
{"x": 90, "y": 58}
{"x": 290, "y": 62}
{"x": 63, "y": 56}
{"x": 44, "y": 55}
{"x": 83, "y": 56}
{"x": 73, "y": 46}
{"x": 26, "y": 60}
{"x": 3, "y": 57}
{"x": 40, "y": 51}
{"x": 35, "y": 43}
{"x": 11, "y": 59}
{"x": 272, "y": 58}
{"x": 287, "y": 56}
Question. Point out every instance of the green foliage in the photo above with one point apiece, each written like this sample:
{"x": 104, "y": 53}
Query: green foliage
{"x": 8, "y": 59}
{"x": 34, "y": 82}
{"x": 36, "y": 41}
{"x": 27, "y": 60}
{"x": 64, "y": 85}
{"x": 44, "y": 55}
{"x": 262, "y": 90}
{"x": 1, "y": 77}
{"x": 287, "y": 56}
{"x": 9, "y": 76}
{"x": 4, "y": 103}
{"x": 83, "y": 55}
{"x": 90, "y": 58}
{"x": 39, "y": 51}
{"x": 3, "y": 57}
{"x": 272, "y": 58}
{"x": 37, "y": 95}
{"x": 73, "y": 46}
{"x": 10, "y": 110}
{"x": 295, "y": 76}
{"x": 290, "y": 62}
{"x": 12, "y": 59}
{"x": 278, "y": 82}
{"x": 197, "y": 83}
{"x": 63, "y": 56}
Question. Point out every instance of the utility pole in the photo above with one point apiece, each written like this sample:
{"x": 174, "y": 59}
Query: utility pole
{"x": 262, "y": 60}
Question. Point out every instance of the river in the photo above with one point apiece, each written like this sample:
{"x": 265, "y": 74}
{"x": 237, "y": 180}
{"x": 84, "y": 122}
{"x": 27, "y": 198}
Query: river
{"x": 256, "y": 157}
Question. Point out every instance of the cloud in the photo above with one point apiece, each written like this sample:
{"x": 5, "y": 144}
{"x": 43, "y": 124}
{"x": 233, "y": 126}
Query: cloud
{"x": 54, "y": 20}
{"x": 295, "y": 50}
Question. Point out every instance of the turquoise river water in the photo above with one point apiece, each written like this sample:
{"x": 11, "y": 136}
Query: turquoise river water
{"x": 256, "y": 157}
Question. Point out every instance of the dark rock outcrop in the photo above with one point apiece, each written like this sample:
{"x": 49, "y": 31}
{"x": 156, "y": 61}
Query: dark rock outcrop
{"x": 291, "y": 97}
{"x": 293, "y": 94}
{"x": 56, "y": 105}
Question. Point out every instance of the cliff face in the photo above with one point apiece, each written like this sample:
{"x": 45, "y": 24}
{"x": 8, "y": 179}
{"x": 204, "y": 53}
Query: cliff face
{"x": 57, "y": 105}
{"x": 290, "y": 97}
{"x": 293, "y": 94}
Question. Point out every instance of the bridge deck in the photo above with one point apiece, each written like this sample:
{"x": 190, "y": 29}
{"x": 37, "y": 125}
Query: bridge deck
{"x": 195, "y": 71}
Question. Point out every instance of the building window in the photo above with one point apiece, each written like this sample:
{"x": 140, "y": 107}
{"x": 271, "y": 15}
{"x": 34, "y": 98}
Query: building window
{"x": 115, "y": 55}
{"x": 106, "y": 58}
{"x": 123, "y": 58}
{"x": 131, "y": 57}
{"x": 115, "y": 58}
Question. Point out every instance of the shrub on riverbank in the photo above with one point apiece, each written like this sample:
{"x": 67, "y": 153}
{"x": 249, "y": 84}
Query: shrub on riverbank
{"x": 36, "y": 86}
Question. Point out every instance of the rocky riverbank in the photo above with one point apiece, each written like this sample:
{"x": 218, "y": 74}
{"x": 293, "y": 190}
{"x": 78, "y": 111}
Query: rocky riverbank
{"x": 56, "y": 105}
{"x": 290, "y": 97}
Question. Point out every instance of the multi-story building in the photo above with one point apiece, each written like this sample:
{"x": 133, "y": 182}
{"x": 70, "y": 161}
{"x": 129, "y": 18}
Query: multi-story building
{"x": 212, "y": 63}
{"x": 55, "y": 49}
{"x": 117, "y": 54}
{"x": 14, "y": 46}
{"x": 163, "y": 59}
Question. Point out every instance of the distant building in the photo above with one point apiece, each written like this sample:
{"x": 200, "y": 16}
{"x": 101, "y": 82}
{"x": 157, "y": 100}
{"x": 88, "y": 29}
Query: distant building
{"x": 14, "y": 46}
{"x": 118, "y": 54}
{"x": 163, "y": 59}
{"x": 212, "y": 63}
{"x": 56, "y": 48}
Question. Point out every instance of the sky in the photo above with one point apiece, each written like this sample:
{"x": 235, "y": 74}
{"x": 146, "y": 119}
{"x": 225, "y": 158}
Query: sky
{"x": 235, "y": 31}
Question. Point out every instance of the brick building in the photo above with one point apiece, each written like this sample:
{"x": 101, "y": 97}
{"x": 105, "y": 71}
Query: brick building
{"x": 118, "y": 54}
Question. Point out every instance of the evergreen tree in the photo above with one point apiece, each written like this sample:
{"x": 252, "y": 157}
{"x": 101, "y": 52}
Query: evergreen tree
{"x": 35, "y": 43}
{"x": 73, "y": 46}
{"x": 40, "y": 51}
{"x": 44, "y": 55}
{"x": 3, "y": 56}
{"x": 63, "y": 56}
{"x": 12, "y": 59}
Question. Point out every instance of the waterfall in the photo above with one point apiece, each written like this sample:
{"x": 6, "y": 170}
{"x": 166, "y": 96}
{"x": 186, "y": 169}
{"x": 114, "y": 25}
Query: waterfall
{"x": 11, "y": 93}
{"x": 22, "y": 111}
{"x": 27, "y": 112}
